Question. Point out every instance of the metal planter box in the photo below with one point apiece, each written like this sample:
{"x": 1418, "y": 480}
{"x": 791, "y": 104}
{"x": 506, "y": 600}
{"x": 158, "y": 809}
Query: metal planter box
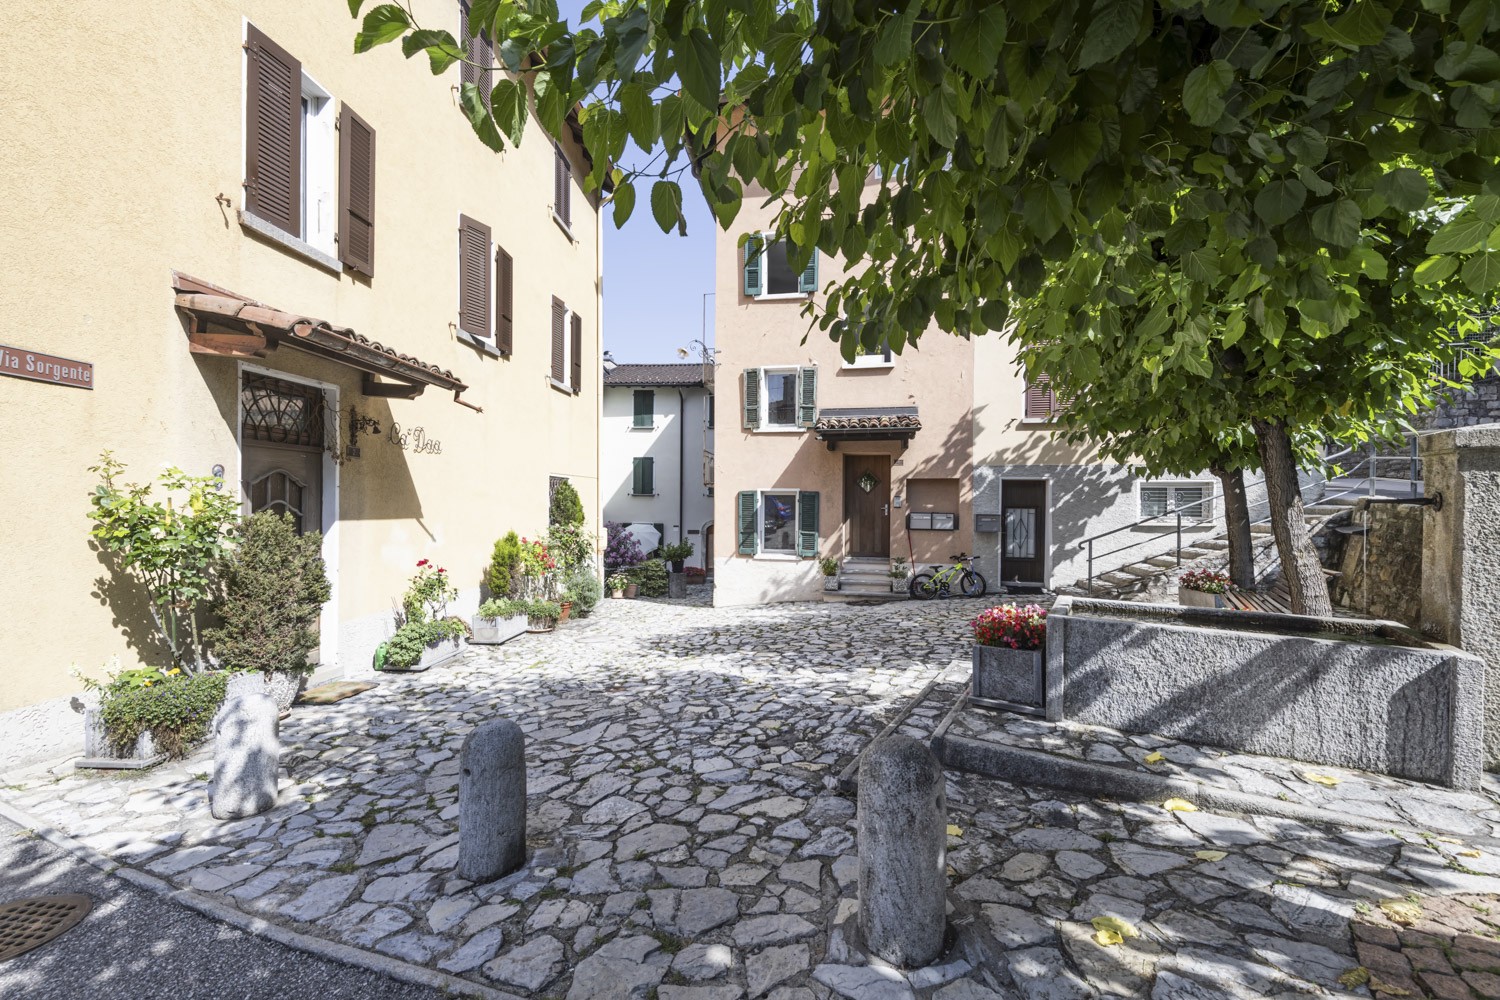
{"x": 1012, "y": 679}
{"x": 494, "y": 631}
{"x": 437, "y": 652}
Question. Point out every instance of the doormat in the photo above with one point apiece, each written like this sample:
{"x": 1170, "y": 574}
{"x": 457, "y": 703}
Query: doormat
{"x": 328, "y": 694}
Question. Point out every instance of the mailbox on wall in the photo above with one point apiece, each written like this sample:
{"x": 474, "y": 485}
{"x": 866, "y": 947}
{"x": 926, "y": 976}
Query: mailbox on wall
{"x": 987, "y": 523}
{"x": 931, "y": 521}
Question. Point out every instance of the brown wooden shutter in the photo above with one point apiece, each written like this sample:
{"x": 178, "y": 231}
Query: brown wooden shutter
{"x": 273, "y": 133}
{"x": 505, "y": 293}
{"x": 562, "y": 185}
{"x": 559, "y": 311}
{"x": 356, "y": 192}
{"x": 477, "y": 49}
{"x": 1040, "y": 404}
{"x": 577, "y": 352}
{"x": 473, "y": 277}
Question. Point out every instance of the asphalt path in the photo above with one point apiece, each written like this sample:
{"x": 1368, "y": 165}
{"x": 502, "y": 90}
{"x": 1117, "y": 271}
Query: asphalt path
{"x": 137, "y": 946}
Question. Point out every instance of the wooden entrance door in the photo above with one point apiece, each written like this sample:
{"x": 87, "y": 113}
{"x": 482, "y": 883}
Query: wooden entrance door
{"x": 867, "y": 504}
{"x": 1023, "y": 532}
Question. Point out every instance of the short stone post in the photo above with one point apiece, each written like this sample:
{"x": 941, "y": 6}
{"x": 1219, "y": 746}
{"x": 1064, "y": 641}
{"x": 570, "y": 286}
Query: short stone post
{"x": 247, "y": 754}
{"x": 903, "y": 837}
{"x": 676, "y": 584}
{"x": 1460, "y": 550}
{"x": 492, "y": 802}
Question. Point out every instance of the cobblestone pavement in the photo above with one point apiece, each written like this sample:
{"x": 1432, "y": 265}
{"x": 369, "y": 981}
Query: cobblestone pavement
{"x": 690, "y": 836}
{"x": 1335, "y": 791}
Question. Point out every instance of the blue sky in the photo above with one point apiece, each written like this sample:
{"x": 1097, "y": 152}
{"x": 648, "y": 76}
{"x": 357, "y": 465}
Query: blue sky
{"x": 654, "y": 282}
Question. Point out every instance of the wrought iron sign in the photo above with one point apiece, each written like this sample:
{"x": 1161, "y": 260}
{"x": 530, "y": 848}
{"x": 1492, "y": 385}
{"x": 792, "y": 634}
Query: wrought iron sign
{"x": 415, "y": 440}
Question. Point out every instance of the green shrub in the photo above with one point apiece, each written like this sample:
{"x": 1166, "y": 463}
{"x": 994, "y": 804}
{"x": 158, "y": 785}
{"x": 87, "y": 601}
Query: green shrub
{"x": 584, "y": 590}
{"x": 505, "y": 607}
{"x": 176, "y": 712}
{"x": 650, "y": 576}
{"x": 567, "y": 508}
{"x": 570, "y": 547}
{"x": 677, "y": 551}
{"x": 274, "y": 589}
{"x": 543, "y": 611}
{"x": 504, "y": 560}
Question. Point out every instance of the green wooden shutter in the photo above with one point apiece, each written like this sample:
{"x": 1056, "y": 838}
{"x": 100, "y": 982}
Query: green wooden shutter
{"x": 754, "y": 266}
{"x": 807, "y": 281}
{"x": 645, "y": 408}
{"x": 752, "y": 398}
{"x": 807, "y": 396}
{"x": 643, "y": 477}
{"x": 807, "y": 523}
{"x": 748, "y": 538}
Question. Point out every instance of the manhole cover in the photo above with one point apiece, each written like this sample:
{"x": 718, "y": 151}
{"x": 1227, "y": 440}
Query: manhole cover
{"x": 28, "y": 923}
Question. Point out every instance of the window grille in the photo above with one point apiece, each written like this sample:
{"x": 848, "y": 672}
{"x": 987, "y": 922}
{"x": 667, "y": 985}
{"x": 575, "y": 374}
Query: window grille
{"x": 276, "y": 411}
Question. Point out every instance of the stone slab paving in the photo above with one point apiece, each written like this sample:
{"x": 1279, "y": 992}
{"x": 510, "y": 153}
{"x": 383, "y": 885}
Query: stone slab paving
{"x": 1374, "y": 797}
{"x": 689, "y": 841}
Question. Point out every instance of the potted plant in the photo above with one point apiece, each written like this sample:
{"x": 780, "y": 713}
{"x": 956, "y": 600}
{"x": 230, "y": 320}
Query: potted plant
{"x": 621, "y": 553}
{"x": 498, "y": 620}
{"x": 149, "y": 714}
{"x": 632, "y": 590}
{"x": 583, "y": 591}
{"x": 426, "y": 634}
{"x": 1202, "y": 588}
{"x": 1008, "y": 658}
{"x": 675, "y": 555}
{"x": 617, "y": 583}
{"x": 898, "y": 575}
{"x": 273, "y": 591}
{"x": 649, "y": 578}
{"x": 542, "y": 615}
{"x": 830, "y": 569}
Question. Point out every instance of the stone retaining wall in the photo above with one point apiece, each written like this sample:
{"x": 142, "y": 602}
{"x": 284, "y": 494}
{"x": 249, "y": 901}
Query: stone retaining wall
{"x": 1382, "y": 569}
{"x": 1203, "y": 676}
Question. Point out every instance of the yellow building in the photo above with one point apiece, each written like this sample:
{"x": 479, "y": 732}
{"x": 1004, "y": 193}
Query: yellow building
{"x": 231, "y": 245}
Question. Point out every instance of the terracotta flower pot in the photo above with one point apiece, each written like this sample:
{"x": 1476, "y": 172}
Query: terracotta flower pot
{"x": 633, "y": 590}
{"x": 567, "y": 606}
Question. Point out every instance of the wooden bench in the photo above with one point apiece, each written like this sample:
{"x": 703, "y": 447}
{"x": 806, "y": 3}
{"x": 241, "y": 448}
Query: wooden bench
{"x": 1277, "y": 600}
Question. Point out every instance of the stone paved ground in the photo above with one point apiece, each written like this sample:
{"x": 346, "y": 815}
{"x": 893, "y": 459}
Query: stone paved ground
{"x": 689, "y": 836}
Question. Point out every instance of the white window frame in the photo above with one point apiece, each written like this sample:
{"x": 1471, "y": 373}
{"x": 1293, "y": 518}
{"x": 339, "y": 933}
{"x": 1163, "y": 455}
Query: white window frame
{"x": 761, "y": 552}
{"x": 766, "y": 427}
{"x": 1172, "y": 486}
{"x": 880, "y": 359}
{"x": 320, "y": 166}
{"x": 766, "y": 295}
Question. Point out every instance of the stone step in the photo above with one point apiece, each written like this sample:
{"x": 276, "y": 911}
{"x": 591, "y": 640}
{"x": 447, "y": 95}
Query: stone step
{"x": 844, "y": 597}
{"x": 872, "y": 573}
{"x": 1117, "y": 579}
{"x": 1166, "y": 562}
{"x": 856, "y": 561}
{"x": 1142, "y": 570}
{"x": 1217, "y": 544}
{"x": 863, "y": 587}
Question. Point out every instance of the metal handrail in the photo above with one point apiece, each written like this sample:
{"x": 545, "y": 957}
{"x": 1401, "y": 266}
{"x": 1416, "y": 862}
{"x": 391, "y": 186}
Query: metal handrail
{"x": 1371, "y": 458}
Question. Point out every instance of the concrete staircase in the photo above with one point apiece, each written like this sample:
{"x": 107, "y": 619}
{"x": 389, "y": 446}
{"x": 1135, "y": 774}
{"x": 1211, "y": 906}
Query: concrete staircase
{"x": 862, "y": 579}
{"x": 1205, "y": 553}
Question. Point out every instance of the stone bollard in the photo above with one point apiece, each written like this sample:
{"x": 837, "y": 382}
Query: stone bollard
{"x": 492, "y": 802}
{"x": 903, "y": 836}
{"x": 247, "y": 754}
{"x": 676, "y": 584}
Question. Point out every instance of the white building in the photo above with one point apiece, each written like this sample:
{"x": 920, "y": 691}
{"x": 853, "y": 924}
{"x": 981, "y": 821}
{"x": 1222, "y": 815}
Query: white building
{"x": 656, "y": 452}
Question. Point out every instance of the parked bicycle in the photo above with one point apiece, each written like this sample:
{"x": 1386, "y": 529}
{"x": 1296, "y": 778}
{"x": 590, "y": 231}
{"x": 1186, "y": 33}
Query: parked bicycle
{"x": 961, "y": 576}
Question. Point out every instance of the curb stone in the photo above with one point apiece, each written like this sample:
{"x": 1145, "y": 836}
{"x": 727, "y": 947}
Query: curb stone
{"x": 395, "y": 968}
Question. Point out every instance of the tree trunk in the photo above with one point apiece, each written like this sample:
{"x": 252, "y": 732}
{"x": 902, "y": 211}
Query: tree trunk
{"x": 1237, "y": 519}
{"x": 1299, "y": 558}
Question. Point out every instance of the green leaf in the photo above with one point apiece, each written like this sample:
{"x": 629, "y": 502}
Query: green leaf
{"x": 479, "y": 116}
{"x": 1072, "y": 147}
{"x": 698, "y": 68}
{"x": 1464, "y": 234}
{"x": 1481, "y": 272}
{"x": 385, "y": 23}
{"x": 551, "y": 105}
{"x": 1279, "y": 200}
{"x": 1045, "y": 208}
{"x": 1362, "y": 24}
{"x": 508, "y": 105}
{"x": 624, "y": 202}
{"x": 1337, "y": 223}
{"x": 1404, "y": 188}
{"x": 1203, "y": 91}
{"x": 1113, "y": 26}
{"x": 980, "y": 34}
{"x": 1201, "y": 265}
{"x": 640, "y": 115}
{"x": 1434, "y": 270}
{"x": 894, "y": 40}
{"x": 666, "y": 204}
{"x": 442, "y": 51}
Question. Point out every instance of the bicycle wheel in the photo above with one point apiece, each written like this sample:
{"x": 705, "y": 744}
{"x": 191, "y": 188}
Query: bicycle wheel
{"x": 973, "y": 584}
{"x": 921, "y": 587}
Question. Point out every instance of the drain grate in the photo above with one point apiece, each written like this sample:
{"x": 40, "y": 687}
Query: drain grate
{"x": 29, "y": 923}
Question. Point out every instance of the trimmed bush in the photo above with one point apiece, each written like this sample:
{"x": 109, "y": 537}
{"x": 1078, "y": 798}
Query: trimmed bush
{"x": 650, "y": 576}
{"x": 584, "y": 590}
{"x": 500, "y": 577}
{"x": 275, "y": 585}
{"x": 176, "y": 712}
{"x": 567, "y": 507}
